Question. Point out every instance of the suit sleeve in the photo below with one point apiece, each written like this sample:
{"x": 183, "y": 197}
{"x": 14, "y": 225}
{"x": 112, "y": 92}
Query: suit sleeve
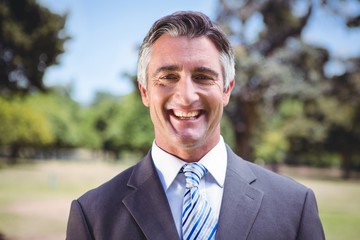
{"x": 310, "y": 226}
{"x": 77, "y": 228}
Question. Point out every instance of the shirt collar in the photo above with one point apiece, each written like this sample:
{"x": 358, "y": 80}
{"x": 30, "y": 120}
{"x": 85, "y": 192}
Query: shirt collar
{"x": 168, "y": 166}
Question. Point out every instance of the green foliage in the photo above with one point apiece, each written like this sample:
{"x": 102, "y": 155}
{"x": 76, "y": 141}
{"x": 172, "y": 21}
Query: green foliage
{"x": 123, "y": 124}
{"x": 284, "y": 105}
{"x": 105, "y": 113}
{"x": 136, "y": 124}
{"x": 273, "y": 147}
{"x": 22, "y": 125}
{"x": 115, "y": 124}
{"x": 64, "y": 116}
{"x": 88, "y": 137}
{"x": 227, "y": 131}
{"x": 31, "y": 38}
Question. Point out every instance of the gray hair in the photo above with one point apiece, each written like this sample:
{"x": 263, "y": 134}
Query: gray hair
{"x": 192, "y": 25}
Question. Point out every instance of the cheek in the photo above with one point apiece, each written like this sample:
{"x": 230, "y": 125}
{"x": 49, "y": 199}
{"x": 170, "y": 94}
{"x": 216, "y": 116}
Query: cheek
{"x": 160, "y": 95}
{"x": 157, "y": 103}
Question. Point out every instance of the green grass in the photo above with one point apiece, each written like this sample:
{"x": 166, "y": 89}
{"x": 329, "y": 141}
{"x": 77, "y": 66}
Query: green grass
{"x": 339, "y": 207}
{"x": 341, "y": 226}
{"x": 35, "y": 198}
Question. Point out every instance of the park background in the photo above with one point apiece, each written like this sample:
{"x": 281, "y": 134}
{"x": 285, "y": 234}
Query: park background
{"x": 71, "y": 116}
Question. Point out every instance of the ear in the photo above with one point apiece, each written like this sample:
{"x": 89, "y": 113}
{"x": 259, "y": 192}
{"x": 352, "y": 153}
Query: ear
{"x": 227, "y": 92}
{"x": 144, "y": 95}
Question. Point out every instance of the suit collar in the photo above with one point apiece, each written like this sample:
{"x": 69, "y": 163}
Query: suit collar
{"x": 168, "y": 166}
{"x": 241, "y": 201}
{"x": 150, "y": 209}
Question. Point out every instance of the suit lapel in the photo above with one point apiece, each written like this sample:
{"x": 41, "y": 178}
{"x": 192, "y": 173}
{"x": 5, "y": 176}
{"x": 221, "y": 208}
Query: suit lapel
{"x": 148, "y": 203}
{"x": 241, "y": 201}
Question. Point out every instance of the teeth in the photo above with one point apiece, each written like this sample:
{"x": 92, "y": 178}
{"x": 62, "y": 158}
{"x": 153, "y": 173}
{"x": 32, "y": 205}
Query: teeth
{"x": 181, "y": 114}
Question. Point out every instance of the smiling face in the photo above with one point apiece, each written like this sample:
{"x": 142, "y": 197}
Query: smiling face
{"x": 185, "y": 95}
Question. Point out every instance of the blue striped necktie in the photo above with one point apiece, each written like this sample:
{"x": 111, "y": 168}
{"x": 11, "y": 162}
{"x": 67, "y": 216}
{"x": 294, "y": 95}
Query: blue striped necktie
{"x": 198, "y": 219}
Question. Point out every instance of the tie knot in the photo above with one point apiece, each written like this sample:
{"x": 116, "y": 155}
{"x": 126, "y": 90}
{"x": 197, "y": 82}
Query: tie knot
{"x": 193, "y": 173}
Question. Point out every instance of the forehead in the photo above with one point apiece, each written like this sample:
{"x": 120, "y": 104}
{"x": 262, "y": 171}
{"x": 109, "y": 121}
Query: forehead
{"x": 184, "y": 51}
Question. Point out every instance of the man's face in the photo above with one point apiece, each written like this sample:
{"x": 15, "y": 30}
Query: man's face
{"x": 185, "y": 93}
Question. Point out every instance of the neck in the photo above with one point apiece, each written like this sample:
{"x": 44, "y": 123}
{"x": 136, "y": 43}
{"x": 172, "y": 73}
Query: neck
{"x": 190, "y": 153}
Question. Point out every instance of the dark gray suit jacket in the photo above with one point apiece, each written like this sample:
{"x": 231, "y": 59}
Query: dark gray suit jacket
{"x": 257, "y": 204}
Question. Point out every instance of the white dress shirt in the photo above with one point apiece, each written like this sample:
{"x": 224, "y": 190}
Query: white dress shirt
{"x": 173, "y": 182}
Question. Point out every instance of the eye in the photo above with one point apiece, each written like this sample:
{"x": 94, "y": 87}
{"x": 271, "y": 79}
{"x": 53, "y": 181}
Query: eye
{"x": 169, "y": 77}
{"x": 203, "y": 77}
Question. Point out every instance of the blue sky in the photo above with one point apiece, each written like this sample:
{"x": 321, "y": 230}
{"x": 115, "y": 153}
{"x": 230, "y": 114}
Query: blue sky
{"x": 105, "y": 36}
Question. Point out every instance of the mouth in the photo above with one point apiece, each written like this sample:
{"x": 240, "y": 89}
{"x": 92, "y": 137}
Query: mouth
{"x": 191, "y": 115}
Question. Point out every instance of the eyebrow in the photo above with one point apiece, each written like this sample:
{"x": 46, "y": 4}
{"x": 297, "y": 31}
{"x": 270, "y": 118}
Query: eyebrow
{"x": 167, "y": 68}
{"x": 207, "y": 71}
{"x": 176, "y": 68}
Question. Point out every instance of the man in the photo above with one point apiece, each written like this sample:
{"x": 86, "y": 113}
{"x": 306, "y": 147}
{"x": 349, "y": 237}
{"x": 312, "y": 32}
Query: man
{"x": 191, "y": 185}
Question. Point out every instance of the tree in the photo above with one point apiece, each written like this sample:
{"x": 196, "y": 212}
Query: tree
{"x": 31, "y": 38}
{"x": 63, "y": 115}
{"x": 256, "y": 69}
{"x": 275, "y": 66}
{"x": 123, "y": 123}
{"x": 135, "y": 127}
{"x": 344, "y": 134}
{"x": 22, "y": 126}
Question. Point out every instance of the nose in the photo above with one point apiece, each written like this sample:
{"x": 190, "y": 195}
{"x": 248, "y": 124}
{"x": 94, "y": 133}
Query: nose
{"x": 186, "y": 91}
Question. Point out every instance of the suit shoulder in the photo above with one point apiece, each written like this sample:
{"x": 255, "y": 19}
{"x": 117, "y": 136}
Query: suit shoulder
{"x": 272, "y": 180}
{"x": 261, "y": 177}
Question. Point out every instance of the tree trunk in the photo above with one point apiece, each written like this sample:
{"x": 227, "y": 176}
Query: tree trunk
{"x": 14, "y": 154}
{"x": 244, "y": 118}
{"x": 346, "y": 164}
